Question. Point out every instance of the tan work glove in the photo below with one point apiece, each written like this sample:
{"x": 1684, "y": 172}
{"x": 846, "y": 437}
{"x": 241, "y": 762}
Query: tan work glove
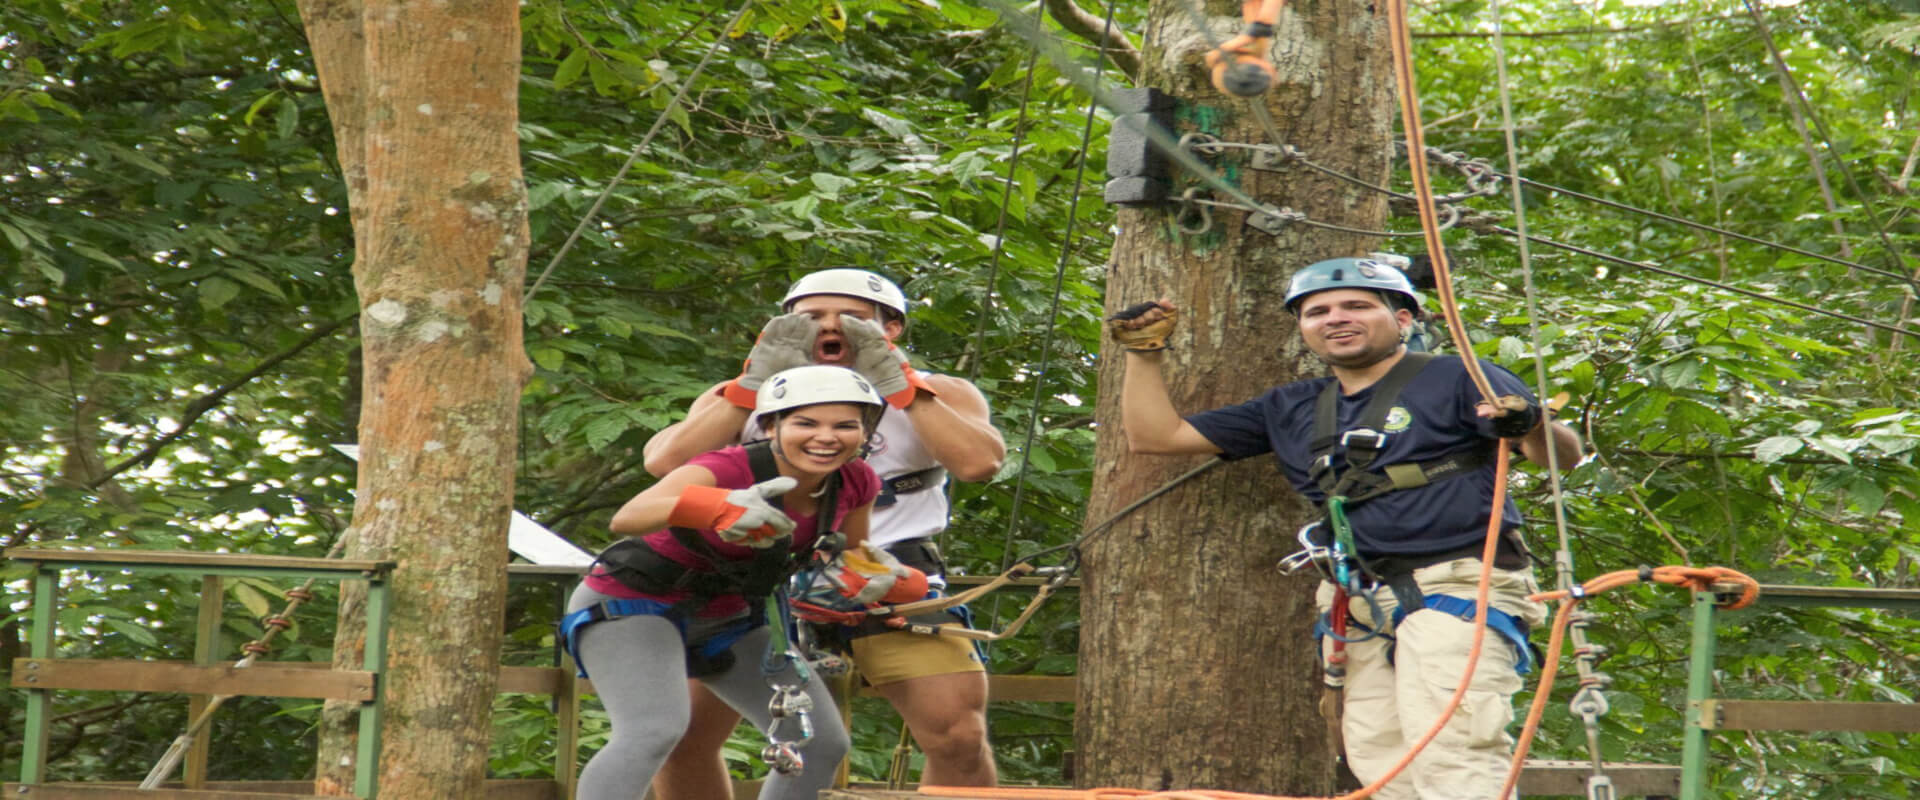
{"x": 1143, "y": 327}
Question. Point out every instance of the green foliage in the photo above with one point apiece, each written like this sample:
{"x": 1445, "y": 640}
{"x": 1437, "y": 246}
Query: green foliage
{"x": 1751, "y": 434}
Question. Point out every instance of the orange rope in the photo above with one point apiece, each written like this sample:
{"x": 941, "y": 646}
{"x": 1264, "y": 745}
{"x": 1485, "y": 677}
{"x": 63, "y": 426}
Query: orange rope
{"x": 1402, "y": 45}
{"x": 1699, "y": 579}
{"x": 1480, "y": 602}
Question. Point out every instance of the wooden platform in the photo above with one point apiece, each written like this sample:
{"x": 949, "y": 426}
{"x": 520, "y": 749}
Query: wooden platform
{"x": 497, "y": 789}
{"x": 1542, "y": 778}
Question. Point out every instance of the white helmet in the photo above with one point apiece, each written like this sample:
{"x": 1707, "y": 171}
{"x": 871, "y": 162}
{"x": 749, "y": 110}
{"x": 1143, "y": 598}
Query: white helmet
{"x": 816, "y": 384}
{"x": 849, "y": 282}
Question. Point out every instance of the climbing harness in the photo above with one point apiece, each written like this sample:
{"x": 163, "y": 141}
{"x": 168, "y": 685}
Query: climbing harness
{"x": 785, "y": 666}
{"x": 919, "y": 481}
{"x": 1240, "y": 66}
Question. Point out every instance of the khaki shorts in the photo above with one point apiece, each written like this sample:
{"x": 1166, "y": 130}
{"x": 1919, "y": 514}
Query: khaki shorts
{"x": 885, "y": 658}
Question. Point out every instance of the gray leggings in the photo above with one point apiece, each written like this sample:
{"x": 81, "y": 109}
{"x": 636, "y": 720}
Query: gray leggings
{"x": 638, "y": 666}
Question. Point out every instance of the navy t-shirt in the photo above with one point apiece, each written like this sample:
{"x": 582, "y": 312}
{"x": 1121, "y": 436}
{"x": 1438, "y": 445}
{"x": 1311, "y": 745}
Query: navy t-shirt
{"x": 1438, "y": 419}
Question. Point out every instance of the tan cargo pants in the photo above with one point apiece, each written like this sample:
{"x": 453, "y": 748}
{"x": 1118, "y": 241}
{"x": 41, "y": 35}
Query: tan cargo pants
{"x": 1390, "y": 705}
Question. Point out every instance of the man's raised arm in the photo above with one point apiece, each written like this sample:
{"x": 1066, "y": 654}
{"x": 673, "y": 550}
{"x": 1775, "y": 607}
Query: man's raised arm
{"x": 1147, "y": 415}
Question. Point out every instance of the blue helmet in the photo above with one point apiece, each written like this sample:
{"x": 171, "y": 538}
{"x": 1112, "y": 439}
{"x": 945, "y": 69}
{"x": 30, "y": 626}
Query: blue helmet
{"x": 1353, "y": 273}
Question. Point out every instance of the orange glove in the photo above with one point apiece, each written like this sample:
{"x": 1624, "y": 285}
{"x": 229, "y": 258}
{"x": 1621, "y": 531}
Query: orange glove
{"x": 739, "y": 516}
{"x": 878, "y": 577}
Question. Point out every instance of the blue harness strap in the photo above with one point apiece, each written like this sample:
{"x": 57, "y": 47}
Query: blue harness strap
{"x": 1507, "y": 625}
{"x": 710, "y": 647}
{"x": 1510, "y": 627}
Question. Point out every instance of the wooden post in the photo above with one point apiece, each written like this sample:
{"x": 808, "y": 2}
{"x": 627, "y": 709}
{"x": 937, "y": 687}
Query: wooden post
{"x": 566, "y": 742}
{"x": 206, "y": 651}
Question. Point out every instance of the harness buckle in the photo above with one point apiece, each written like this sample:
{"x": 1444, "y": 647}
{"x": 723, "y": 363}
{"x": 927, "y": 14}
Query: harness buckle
{"x": 1364, "y": 438}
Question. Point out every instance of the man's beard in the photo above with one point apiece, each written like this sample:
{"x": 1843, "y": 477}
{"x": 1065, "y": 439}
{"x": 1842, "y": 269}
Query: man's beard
{"x": 1363, "y": 359}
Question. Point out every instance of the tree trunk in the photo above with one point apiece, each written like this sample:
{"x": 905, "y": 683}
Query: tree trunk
{"x": 1196, "y": 666}
{"x": 424, "y": 104}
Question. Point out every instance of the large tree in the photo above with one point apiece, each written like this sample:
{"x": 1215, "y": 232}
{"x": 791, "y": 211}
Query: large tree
{"x": 425, "y": 103}
{"x": 1194, "y": 668}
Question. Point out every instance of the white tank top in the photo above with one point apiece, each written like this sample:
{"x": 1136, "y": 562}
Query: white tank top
{"x": 895, "y": 450}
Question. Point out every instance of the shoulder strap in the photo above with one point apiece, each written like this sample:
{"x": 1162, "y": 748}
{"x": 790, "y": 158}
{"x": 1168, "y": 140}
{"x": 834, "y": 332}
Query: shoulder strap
{"x": 1385, "y": 393}
{"x": 1366, "y": 438}
{"x": 761, "y": 463}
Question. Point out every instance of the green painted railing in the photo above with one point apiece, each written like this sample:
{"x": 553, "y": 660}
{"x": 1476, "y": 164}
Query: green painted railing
{"x": 1706, "y": 714}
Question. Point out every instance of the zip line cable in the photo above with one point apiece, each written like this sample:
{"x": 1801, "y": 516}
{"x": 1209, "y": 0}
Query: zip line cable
{"x": 1294, "y": 154}
{"x": 1701, "y": 226}
{"x": 1479, "y": 227}
{"x": 1572, "y": 248}
{"x": 1527, "y": 286}
{"x": 1590, "y": 701}
{"x": 1000, "y": 225}
{"x": 1053, "y": 316}
{"x": 634, "y": 156}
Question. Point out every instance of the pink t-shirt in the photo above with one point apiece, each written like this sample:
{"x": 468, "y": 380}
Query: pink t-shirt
{"x": 858, "y": 487}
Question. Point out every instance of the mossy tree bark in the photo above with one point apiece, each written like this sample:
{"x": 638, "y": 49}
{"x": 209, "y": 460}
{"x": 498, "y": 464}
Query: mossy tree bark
{"x": 424, "y": 103}
{"x": 1196, "y": 666}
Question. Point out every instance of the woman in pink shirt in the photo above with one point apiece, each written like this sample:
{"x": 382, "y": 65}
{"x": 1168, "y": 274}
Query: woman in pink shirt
{"x": 683, "y": 595}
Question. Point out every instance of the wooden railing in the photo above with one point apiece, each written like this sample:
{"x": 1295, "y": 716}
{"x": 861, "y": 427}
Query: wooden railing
{"x": 210, "y": 673}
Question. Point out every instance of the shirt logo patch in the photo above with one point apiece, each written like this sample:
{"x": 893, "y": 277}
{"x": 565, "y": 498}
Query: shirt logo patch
{"x": 877, "y": 444}
{"x": 1398, "y": 419}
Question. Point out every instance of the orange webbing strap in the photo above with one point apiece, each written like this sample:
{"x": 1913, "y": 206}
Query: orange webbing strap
{"x": 1240, "y": 65}
{"x": 1480, "y": 603}
{"x": 1699, "y": 579}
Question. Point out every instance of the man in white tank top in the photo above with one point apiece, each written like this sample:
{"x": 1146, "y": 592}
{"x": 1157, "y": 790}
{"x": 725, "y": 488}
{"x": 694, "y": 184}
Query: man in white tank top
{"x": 938, "y": 427}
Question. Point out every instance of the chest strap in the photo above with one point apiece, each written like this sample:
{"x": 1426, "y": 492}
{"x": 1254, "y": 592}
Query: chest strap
{"x": 1368, "y": 437}
{"x": 909, "y": 483}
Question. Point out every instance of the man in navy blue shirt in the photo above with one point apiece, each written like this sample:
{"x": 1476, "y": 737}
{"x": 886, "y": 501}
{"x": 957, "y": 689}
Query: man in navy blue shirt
{"x": 1416, "y": 474}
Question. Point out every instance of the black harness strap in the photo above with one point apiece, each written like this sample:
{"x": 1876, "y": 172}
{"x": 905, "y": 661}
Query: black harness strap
{"x": 918, "y": 481}
{"x": 638, "y": 567}
{"x": 1365, "y": 441}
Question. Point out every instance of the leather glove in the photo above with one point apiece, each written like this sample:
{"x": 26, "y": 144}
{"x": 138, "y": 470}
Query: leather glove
{"x": 1521, "y": 418}
{"x": 739, "y": 516}
{"x": 786, "y": 342}
{"x": 881, "y": 363}
{"x": 1143, "y": 336}
{"x": 878, "y": 577}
